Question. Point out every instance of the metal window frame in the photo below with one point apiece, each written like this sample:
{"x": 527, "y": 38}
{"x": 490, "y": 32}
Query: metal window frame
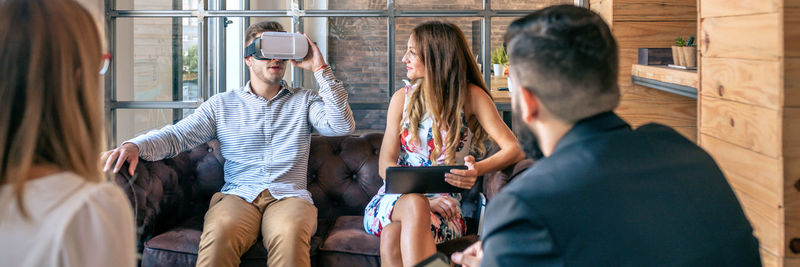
{"x": 209, "y": 86}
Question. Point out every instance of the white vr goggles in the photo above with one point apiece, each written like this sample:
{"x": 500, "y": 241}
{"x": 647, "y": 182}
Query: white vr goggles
{"x": 278, "y": 45}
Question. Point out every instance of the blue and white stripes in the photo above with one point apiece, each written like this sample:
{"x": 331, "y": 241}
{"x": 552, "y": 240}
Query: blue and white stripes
{"x": 265, "y": 142}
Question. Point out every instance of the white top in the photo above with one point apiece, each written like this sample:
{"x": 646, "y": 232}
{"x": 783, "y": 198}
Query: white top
{"x": 71, "y": 222}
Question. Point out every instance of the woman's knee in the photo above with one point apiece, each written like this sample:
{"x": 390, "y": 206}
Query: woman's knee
{"x": 412, "y": 206}
{"x": 414, "y": 200}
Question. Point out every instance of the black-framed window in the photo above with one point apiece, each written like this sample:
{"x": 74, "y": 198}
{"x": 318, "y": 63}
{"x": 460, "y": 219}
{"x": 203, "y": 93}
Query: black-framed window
{"x": 170, "y": 56}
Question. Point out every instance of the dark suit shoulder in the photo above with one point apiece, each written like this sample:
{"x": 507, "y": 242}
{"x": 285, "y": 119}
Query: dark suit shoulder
{"x": 589, "y": 160}
{"x": 515, "y": 235}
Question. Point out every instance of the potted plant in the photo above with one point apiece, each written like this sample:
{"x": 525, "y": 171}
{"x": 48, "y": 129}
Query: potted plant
{"x": 690, "y": 53}
{"x": 499, "y": 59}
{"x": 677, "y": 55}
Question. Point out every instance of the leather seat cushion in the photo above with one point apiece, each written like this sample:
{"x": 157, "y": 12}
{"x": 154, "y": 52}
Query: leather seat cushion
{"x": 348, "y": 236}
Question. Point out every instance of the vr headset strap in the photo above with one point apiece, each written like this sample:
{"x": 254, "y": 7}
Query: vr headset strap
{"x": 254, "y": 49}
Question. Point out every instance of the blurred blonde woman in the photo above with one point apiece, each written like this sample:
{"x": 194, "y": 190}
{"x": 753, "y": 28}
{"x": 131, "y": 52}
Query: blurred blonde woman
{"x": 56, "y": 207}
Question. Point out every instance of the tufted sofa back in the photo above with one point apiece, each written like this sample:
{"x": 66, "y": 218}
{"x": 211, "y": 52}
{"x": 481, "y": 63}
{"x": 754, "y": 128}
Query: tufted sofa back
{"x": 343, "y": 173}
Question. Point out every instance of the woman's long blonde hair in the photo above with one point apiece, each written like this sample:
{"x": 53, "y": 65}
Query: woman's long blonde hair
{"x": 50, "y": 100}
{"x": 450, "y": 68}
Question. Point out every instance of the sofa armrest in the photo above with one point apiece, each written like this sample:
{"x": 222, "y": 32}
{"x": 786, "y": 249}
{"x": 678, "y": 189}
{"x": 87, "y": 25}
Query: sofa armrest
{"x": 173, "y": 192}
{"x": 493, "y": 182}
{"x": 151, "y": 190}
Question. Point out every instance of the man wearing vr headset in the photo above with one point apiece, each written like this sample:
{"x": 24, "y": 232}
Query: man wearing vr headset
{"x": 264, "y": 130}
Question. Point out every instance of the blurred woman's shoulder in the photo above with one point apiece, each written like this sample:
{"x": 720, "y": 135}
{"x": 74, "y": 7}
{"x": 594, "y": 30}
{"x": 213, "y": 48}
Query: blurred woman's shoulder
{"x": 70, "y": 216}
{"x": 65, "y": 190}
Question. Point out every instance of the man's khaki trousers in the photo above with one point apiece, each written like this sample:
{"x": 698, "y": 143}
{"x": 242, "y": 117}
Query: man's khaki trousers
{"x": 232, "y": 225}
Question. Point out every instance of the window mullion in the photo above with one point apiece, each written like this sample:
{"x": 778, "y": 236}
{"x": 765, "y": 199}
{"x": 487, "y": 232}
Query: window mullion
{"x": 486, "y": 42}
{"x": 110, "y": 93}
{"x": 391, "y": 49}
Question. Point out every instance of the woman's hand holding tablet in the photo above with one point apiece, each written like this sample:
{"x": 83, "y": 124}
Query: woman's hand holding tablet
{"x": 464, "y": 179}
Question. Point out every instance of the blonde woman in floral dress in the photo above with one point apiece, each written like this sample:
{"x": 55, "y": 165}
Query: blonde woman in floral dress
{"x": 442, "y": 118}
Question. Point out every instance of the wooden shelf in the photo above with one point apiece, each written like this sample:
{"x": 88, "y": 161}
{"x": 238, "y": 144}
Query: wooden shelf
{"x": 500, "y": 96}
{"x": 676, "y": 81}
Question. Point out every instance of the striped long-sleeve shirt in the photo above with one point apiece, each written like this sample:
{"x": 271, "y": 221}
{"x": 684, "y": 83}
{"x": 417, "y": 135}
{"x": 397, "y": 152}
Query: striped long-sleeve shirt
{"x": 265, "y": 143}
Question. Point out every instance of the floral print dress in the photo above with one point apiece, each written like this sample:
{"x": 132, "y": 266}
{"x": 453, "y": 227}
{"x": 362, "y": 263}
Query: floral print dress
{"x": 379, "y": 210}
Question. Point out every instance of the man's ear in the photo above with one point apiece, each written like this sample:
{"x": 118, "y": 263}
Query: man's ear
{"x": 528, "y": 105}
{"x": 248, "y": 61}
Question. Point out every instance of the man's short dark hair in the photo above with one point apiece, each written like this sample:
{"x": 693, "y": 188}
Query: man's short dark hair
{"x": 256, "y": 29}
{"x": 567, "y": 57}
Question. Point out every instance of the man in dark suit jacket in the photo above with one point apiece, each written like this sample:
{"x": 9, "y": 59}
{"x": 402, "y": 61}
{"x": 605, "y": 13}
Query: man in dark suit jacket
{"x": 605, "y": 194}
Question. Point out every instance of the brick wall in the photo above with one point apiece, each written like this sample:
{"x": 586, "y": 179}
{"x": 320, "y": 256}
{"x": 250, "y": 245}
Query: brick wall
{"x": 357, "y": 53}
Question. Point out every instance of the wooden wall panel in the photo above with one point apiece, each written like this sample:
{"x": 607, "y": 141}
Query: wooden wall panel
{"x": 736, "y": 161}
{"x": 720, "y": 8}
{"x": 673, "y": 114}
{"x": 791, "y": 133}
{"x": 794, "y": 262}
{"x": 633, "y": 35}
{"x": 791, "y": 69}
{"x": 763, "y": 172}
{"x": 791, "y": 24}
{"x": 791, "y": 3}
{"x": 792, "y": 231}
{"x": 768, "y": 259}
{"x": 604, "y": 8}
{"x": 763, "y": 190}
{"x": 744, "y": 37}
{"x": 688, "y": 132}
{"x": 649, "y": 10}
{"x": 643, "y": 93}
{"x": 766, "y": 222}
{"x": 747, "y": 49}
{"x": 749, "y": 81}
{"x": 751, "y": 127}
{"x": 791, "y": 122}
{"x": 792, "y": 211}
{"x": 791, "y": 168}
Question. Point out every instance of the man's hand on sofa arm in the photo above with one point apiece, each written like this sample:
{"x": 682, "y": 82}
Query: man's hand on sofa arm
{"x": 127, "y": 152}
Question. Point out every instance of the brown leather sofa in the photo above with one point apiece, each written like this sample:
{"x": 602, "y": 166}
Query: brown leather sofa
{"x": 171, "y": 196}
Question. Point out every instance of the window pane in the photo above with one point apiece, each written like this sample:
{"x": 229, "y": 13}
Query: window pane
{"x": 266, "y": 5}
{"x": 345, "y": 4}
{"x": 499, "y": 82}
{"x": 309, "y": 4}
{"x": 439, "y": 4}
{"x": 526, "y": 5}
{"x": 135, "y": 122}
{"x": 157, "y": 59}
{"x": 470, "y": 26}
{"x": 157, "y": 4}
{"x": 357, "y": 52}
